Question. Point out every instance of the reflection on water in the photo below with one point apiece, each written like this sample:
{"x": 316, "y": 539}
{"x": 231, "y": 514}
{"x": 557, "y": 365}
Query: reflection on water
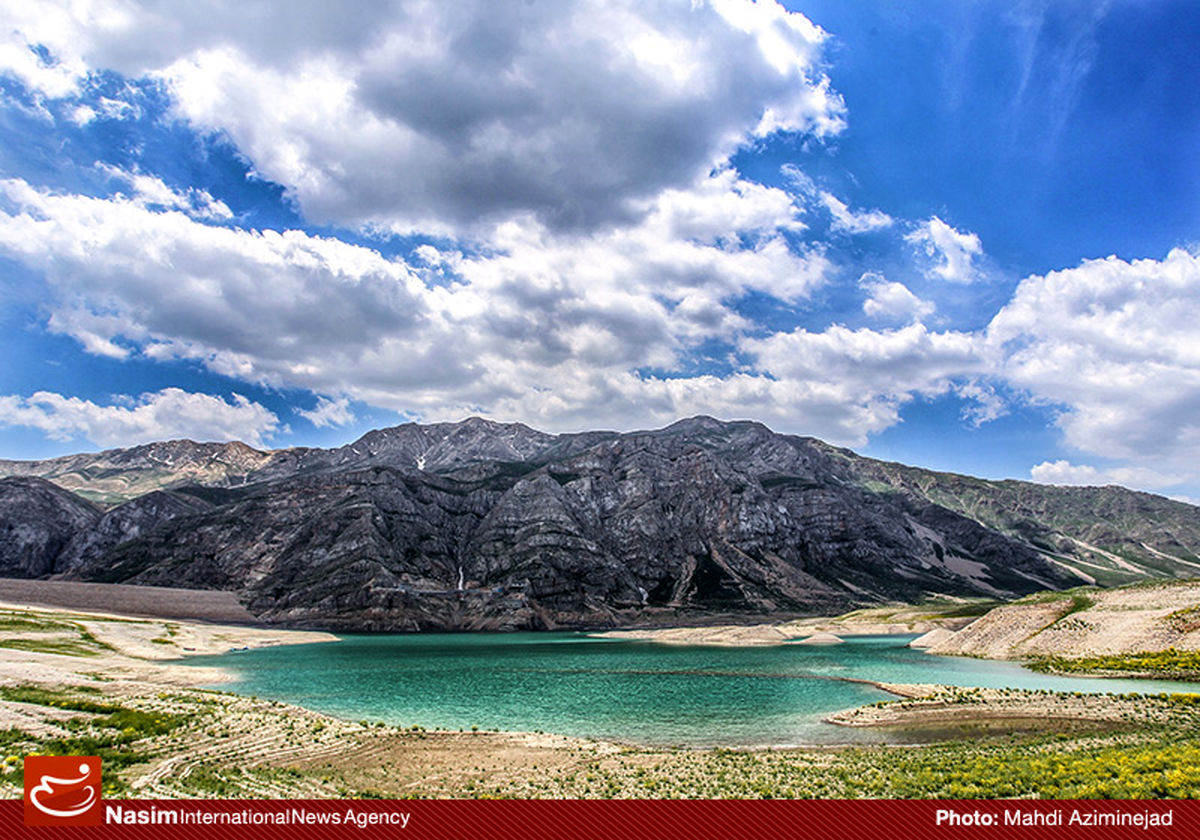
{"x": 625, "y": 690}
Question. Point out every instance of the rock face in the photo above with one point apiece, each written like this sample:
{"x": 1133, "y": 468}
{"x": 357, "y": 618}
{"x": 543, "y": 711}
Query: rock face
{"x": 124, "y": 523}
{"x": 936, "y": 636}
{"x": 37, "y": 521}
{"x": 1104, "y": 535}
{"x": 481, "y": 525}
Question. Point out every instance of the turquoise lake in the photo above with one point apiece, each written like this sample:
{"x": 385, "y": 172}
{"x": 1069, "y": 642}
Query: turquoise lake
{"x": 648, "y": 693}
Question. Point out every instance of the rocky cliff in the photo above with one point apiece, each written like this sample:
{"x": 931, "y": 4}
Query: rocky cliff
{"x": 37, "y": 522}
{"x": 486, "y": 525}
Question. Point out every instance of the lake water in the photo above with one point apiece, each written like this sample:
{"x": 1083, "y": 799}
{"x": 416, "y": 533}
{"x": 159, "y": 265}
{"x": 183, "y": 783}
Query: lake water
{"x": 573, "y": 684}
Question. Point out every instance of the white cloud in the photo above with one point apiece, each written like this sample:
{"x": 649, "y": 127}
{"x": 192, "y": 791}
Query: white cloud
{"x": 103, "y": 108}
{"x": 890, "y": 301}
{"x": 449, "y": 117}
{"x": 30, "y": 26}
{"x": 863, "y": 221}
{"x": 871, "y": 373}
{"x": 1114, "y": 342}
{"x": 152, "y": 193}
{"x": 550, "y": 329}
{"x": 512, "y": 332}
{"x": 1064, "y": 472}
{"x": 329, "y": 413}
{"x": 170, "y": 413}
{"x": 953, "y": 252}
{"x": 983, "y": 404}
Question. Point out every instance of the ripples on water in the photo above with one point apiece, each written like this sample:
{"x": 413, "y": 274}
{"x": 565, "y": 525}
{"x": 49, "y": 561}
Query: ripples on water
{"x": 649, "y": 693}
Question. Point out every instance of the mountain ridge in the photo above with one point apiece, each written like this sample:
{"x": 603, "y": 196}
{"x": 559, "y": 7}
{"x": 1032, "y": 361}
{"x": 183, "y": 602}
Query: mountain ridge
{"x": 478, "y": 525}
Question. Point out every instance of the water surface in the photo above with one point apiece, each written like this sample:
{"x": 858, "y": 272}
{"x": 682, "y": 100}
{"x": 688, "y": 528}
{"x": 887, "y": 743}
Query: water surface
{"x": 573, "y": 684}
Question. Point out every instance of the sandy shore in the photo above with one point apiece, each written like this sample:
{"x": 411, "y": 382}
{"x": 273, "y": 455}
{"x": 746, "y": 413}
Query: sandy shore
{"x": 875, "y": 621}
{"x": 108, "y": 645}
{"x": 995, "y": 708}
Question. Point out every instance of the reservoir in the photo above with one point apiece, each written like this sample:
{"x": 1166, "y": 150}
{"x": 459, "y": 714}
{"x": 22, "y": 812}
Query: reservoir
{"x": 632, "y": 691}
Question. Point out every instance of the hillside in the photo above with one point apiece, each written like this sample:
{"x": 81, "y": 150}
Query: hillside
{"x": 1085, "y": 622}
{"x": 1105, "y": 535}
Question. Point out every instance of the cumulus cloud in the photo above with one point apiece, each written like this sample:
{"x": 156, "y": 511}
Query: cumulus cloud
{"x": 527, "y": 330}
{"x": 845, "y": 219}
{"x": 169, "y": 413}
{"x": 257, "y": 305}
{"x": 1084, "y": 475}
{"x": 152, "y": 193}
{"x": 873, "y": 371}
{"x": 442, "y": 117}
{"x": 890, "y": 301}
{"x": 329, "y": 413}
{"x": 551, "y": 328}
{"x": 982, "y": 403}
{"x": 952, "y": 252}
{"x": 1114, "y": 342}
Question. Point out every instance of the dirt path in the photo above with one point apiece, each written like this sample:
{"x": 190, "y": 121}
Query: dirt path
{"x": 121, "y": 599}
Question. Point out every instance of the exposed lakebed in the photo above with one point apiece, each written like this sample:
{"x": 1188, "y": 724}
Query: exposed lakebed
{"x": 573, "y": 684}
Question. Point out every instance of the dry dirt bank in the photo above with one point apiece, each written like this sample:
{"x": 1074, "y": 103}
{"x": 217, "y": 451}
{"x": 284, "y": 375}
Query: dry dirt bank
{"x": 1085, "y": 622}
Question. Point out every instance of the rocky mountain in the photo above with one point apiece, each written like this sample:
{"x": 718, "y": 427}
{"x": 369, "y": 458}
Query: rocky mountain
{"x": 37, "y": 522}
{"x": 118, "y": 475}
{"x": 124, "y": 523}
{"x": 1105, "y": 535}
{"x": 487, "y": 525}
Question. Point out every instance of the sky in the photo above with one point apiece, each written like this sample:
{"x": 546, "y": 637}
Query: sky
{"x": 963, "y": 235}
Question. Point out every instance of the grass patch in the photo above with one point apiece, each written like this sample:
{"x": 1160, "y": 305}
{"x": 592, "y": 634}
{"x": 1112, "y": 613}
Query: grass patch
{"x": 63, "y": 647}
{"x": 969, "y": 610}
{"x": 57, "y": 699}
{"x": 112, "y": 731}
{"x": 1078, "y": 603}
{"x": 11, "y": 622}
{"x": 1170, "y": 664}
{"x": 92, "y": 640}
{"x": 1056, "y": 767}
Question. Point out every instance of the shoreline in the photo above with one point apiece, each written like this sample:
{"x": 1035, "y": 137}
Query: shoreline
{"x": 109, "y": 643}
{"x": 178, "y": 741}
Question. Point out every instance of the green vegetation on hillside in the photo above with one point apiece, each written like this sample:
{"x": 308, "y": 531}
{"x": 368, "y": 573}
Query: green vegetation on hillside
{"x": 1126, "y": 768}
{"x": 1185, "y": 620}
{"x": 118, "y": 733}
{"x": 1109, "y": 534}
{"x": 1170, "y": 664}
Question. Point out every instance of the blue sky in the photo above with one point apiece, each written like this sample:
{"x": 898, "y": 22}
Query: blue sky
{"x": 957, "y": 234}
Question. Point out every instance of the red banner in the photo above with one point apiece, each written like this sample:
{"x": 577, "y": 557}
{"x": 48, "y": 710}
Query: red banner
{"x": 623, "y": 820}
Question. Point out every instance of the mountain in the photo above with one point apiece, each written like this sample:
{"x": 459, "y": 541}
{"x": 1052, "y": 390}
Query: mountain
{"x": 118, "y": 475}
{"x": 1105, "y": 535}
{"x": 487, "y": 525}
{"x": 37, "y": 522}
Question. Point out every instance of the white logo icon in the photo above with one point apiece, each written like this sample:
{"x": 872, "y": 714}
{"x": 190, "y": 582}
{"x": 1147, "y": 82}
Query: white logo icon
{"x": 47, "y": 786}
